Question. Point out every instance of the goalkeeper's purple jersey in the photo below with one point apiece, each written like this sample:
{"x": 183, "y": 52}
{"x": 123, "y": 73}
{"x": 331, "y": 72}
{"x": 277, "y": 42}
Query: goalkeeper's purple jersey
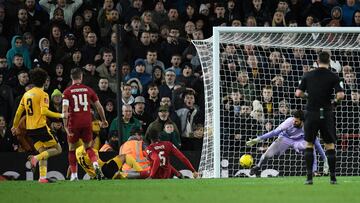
{"x": 285, "y": 129}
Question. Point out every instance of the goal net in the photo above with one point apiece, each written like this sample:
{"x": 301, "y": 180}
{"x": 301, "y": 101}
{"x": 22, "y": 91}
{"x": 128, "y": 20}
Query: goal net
{"x": 250, "y": 77}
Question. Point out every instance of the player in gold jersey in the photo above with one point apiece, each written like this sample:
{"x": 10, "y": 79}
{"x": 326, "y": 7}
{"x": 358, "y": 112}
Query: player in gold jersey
{"x": 111, "y": 168}
{"x": 35, "y": 103}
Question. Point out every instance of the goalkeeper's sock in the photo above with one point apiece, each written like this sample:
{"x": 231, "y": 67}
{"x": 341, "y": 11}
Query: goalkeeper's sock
{"x": 331, "y": 157}
{"x": 309, "y": 160}
{"x": 263, "y": 159}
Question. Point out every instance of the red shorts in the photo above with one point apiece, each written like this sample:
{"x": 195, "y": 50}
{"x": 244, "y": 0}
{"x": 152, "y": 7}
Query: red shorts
{"x": 84, "y": 133}
{"x": 163, "y": 173}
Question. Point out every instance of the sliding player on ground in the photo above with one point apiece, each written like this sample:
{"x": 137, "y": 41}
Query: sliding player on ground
{"x": 290, "y": 135}
{"x": 159, "y": 153}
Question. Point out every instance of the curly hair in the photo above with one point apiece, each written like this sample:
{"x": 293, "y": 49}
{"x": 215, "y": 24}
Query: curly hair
{"x": 38, "y": 77}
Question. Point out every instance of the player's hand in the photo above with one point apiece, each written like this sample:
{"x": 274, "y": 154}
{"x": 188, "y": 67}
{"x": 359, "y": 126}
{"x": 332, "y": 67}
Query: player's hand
{"x": 68, "y": 132}
{"x": 196, "y": 174}
{"x": 252, "y": 142}
{"x": 326, "y": 167}
{"x": 104, "y": 124}
{"x": 15, "y": 131}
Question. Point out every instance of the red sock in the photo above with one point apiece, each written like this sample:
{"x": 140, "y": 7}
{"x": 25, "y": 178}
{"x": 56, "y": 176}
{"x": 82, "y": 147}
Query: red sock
{"x": 144, "y": 174}
{"x": 72, "y": 161}
{"x": 91, "y": 154}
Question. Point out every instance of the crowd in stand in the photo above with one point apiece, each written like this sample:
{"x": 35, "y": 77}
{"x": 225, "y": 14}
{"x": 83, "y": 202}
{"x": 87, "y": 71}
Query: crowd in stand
{"x": 162, "y": 84}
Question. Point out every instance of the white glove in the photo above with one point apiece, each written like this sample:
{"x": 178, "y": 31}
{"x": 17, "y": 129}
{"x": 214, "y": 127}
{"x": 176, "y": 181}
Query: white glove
{"x": 252, "y": 142}
{"x": 326, "y": 167}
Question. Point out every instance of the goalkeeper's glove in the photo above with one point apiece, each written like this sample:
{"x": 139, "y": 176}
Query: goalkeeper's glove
{"x": 252, "y": 142}
{"x": 326, "y": 167}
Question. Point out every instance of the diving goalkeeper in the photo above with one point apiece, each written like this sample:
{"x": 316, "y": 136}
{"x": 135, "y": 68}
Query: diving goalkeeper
{"x": 290, "y": 135}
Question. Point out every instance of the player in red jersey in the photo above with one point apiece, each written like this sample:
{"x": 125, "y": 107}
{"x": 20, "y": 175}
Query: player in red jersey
{"x": 76, "y": 103}
{"x": 159, "y": 153}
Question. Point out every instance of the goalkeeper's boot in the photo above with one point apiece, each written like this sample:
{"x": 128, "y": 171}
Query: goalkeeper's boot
{"x": 255, "y": 171}
{"x": 333, "y": 180}
{"x": 33, "y": 162}
{"x": 99, "y": 174}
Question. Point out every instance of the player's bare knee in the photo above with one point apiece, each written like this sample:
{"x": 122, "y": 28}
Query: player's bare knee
{"x": 58, "y": 148}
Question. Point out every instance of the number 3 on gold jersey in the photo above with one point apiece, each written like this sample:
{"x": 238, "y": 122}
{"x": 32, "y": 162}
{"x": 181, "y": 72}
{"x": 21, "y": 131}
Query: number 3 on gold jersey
{"x": 29, "y": 106}
{"x": 80, "y": 99}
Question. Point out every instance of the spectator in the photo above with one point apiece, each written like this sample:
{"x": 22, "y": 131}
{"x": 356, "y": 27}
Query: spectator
{"x": 22, "y": 81}
{"x": 17, "y": 47}
{"x": 59, "y": 80}
{"x": 169, "y": 134}
{"x": 152, "y": 60}
{"x": 147, "y": 22}
{"x": 104, "y": 92}
{"x": 135, "y": 9}
{"x": 259, "y": 11}
{"x": 38, "y": 17}
{"x": 243, "y": 85}
{"x": 140, "y": 114}
{"x": 103, "y": 69}
{"x": 173, "y": 45}
{"x": 29, "y": 44}
{"x": 166, "y": 101}
{"x": 152, "y": 100}
{"x": 129, "y": 122}
{"x": 136, "y": 87}
{"x": 90, "y": 77}
{"x": 6, "y": 96}
{"x": 64, "y": 53}
{"x": 18, "y": 66}
{"x": 189, "y": 115}
{"x": 356, "y": 19}
{"x": 8, "y": 143}
{"x": 349, "y": 9}
{"x": 91, "y": 49}
{"x": 158, "y": 76}
{"x": 159, "y": 14}
{"x": 167, "y": 88}
{"x": 127, "y": 98}
{"x": 158, "y": 125}
{"x": 69, "y": 9}
{"x": 23, "y": 24}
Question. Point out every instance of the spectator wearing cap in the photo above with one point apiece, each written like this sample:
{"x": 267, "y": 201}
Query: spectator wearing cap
{"x": 56, "y": 101}
{"x": 129, "y": 122}
{"x": 18, "y": 48}
{"x": 159, "y": 14}
{"x": 103, "y": 69}
{"x": 152, "y": 100}
{"x": 139, "y": 73}
{"x": 64, "y": 53}
{"x": 157, "y": 126}
{"x": 140, "y": 114}
{"x": 167, "y": 88}
{"x": 69, "y": 8}
{"x": 46, "y": 62}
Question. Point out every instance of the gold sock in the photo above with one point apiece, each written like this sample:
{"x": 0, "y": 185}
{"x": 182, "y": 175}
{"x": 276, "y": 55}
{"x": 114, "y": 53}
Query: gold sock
{"x": 132, "y": 162}
{"x": 43, "y": 171}
{"x": 42, "y": 156}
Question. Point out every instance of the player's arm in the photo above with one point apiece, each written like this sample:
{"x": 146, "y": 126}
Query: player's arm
{"x": 65, "y": 111}
{"x": 182, "y": 158}
{"x": 18, "y": 114}
{"x": 44, "y": 108}
{"x": 100, "y": 110}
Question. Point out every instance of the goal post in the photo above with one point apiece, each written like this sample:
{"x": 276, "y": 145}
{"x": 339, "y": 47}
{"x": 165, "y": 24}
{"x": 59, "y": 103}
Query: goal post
{"x": 230, "y": 54}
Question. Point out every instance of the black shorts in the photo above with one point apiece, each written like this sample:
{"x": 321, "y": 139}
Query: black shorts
{"x": 314, "y": 124}
{"x": 42, "y": 137}
{"x": 110, "y": 168}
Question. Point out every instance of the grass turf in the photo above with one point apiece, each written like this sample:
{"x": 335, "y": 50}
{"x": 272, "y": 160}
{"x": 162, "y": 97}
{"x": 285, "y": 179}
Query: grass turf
{"x": 268, "y": 190}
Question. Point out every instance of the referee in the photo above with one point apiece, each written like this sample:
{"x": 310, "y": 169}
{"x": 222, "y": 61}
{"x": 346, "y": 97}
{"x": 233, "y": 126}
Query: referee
{"x": 318, "y": 87}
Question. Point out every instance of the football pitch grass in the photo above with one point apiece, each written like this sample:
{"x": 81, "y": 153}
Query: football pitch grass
{"x": 259, "y": 190}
